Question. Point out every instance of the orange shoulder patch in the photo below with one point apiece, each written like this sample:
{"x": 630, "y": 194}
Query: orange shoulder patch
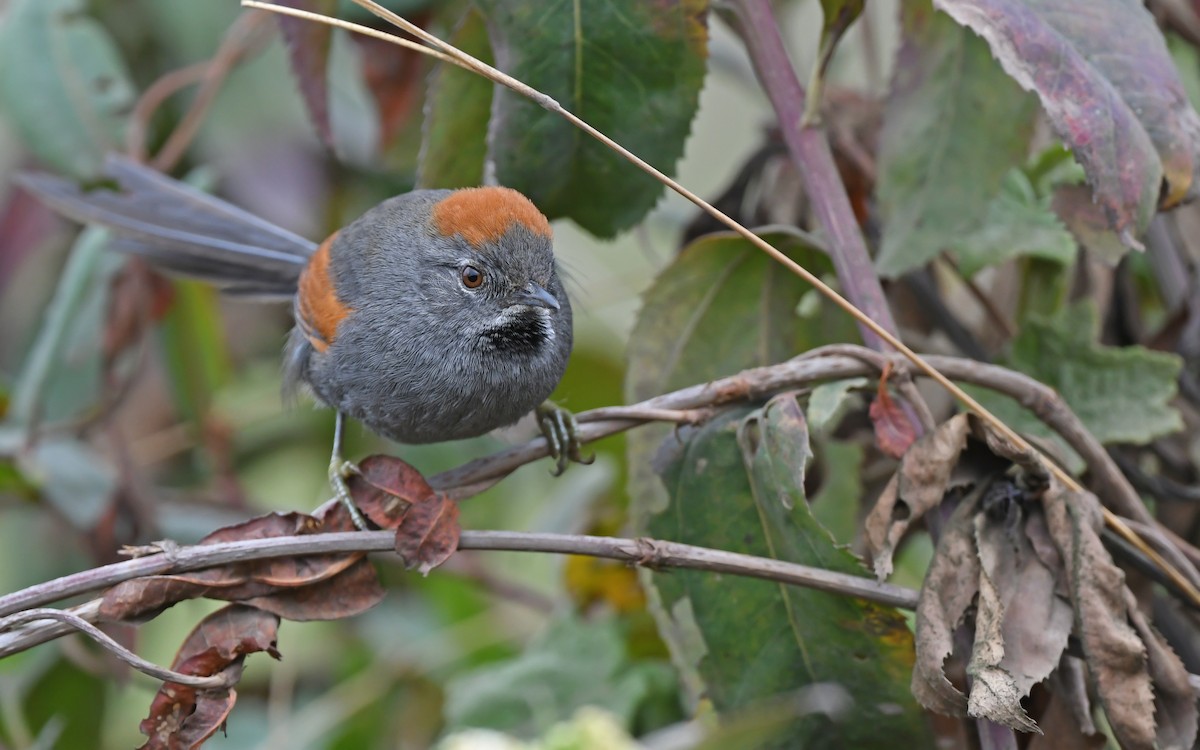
{"x": 481, "y": 215}
{"x": 318, "y": 309}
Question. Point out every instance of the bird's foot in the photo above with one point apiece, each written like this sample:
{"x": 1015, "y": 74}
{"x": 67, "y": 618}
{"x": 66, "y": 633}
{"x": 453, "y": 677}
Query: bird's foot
{"x": 341, "y": 470}
{"x": 561, "y": 431}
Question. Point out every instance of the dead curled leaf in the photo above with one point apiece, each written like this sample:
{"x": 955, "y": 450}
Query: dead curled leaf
{"x": 894, "y": 431}
{"x": 184, "y": 717}
{"x": 1021, "y": 561}
{"x": 919, "y": 485}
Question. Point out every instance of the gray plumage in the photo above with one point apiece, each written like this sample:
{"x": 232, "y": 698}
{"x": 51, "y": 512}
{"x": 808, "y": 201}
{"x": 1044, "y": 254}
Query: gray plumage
{"x": 419, "y": 357}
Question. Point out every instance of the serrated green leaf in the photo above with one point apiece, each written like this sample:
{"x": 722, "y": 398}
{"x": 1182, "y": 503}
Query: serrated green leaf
{"x": 1122, "y": 394}
{"x": 457, "y": 109}
{"x": 953, "y": 126}
{"x": 763, "y": 639}
{"x": 1018, "y": 223}
{"x": 63, "y": 84}
{"x": 631, "y": 69}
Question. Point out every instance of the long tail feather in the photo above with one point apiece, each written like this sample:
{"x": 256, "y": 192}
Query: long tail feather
{"x": 182, "y": 230}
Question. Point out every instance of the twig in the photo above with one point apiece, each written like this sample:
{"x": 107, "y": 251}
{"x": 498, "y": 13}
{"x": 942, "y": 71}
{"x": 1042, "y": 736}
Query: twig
{"x": 645, "y": 552}
{"x": 237, "y": 41}
{"x": 823, "y": 163}
{"x": 75, "y": 622}
{"x": 810, "y": 151}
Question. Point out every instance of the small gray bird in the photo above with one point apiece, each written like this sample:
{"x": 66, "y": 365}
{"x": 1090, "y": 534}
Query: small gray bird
{"x": 437, "y": 315}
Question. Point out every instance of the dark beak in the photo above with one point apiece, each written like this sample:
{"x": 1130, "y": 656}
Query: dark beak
{"x": 536, "y": 295}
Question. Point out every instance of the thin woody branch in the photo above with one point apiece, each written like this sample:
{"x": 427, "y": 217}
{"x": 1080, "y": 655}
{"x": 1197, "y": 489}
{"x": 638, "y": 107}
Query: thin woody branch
{"x": 650, "y": 553}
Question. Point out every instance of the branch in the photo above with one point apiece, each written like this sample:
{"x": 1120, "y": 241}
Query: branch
{"x": 649, "y": 553}
{"x": 813, "y": 158}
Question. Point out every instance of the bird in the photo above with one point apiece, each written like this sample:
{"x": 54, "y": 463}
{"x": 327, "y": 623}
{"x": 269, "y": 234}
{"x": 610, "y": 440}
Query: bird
{"x": 437, "y": 315}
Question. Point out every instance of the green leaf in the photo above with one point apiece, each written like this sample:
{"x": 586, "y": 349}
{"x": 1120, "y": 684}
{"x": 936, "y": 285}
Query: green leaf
{"x": 194, "y": 346}
{"x": 61, "y": 375}
{"x": 63, "y": 84}
{"x": 631, "y": 69}
{"x": 828, "y": 402}
{"x": 457, "y": 109}
{"x": 1018, "y": 223}
{"x": 1122, "y": 394}
{"x": 574, "y": 663}
{"x": 1107, "y": 84}
{"x": 761, "y": 639}
{"x": 62, "y": 704}
{"x": 839, "y": 498}
{"x": 954, "y": 124}
{"x": 720, "y": 307}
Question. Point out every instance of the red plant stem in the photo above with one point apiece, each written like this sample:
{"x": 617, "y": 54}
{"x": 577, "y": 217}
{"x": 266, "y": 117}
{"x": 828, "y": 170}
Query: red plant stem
{"x": 811, "y": 153}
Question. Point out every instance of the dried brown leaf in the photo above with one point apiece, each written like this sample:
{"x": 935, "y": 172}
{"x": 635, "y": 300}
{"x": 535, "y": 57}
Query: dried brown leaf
{"x": 1061, "y": 729}
{"x": 1021, "y": 627}
{"x": 385, "y": 489}
{"x": 429, "y": 533}
{"x": 184, "y": 717}
{"x": 1115, "y": 654}
{"x": 1174, "y": 699}
{"x": 919, "y": 485}
{"x": 350, "y": 592}
{"x": 951, "y": 584}
{"x": 145, "y": 597}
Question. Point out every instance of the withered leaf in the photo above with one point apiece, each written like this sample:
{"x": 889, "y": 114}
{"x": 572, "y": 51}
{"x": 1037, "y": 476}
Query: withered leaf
{"x": 918, "y": 485}
{"x": 951, "y": 584}
{"x": 893, "y": 431}
{"x": 1021, "y": 627}
{"x": 1115, "y": 654}
{"x": 351, "y": 592}
{"x": 144, "y": 597}
{"x": 1174, "y": 698}
{"x": 385, "y": 489}
{"x": 429, "y": 533}
{"x": 184, "y": 717}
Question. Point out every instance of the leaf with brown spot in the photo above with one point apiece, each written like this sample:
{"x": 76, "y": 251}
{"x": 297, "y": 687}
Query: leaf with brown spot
{"x": 894, "y": 431}
{"x": 428, "y": 534}
{"x": 1114, "y": 653}
{"x": 184, "y": 717}
{"x": 308, "y": 46}
{"x": 950, "y": 586}
{"x": 351, "y": 592}
{"x": 385, "y": 489}
{"x": 1110, "y": 89}
{"x": 1174, "y": 698}
{"x": 919, "y": 484}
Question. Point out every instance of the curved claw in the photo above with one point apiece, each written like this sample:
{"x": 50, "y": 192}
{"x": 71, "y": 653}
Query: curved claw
{"x": 561, "y": 431}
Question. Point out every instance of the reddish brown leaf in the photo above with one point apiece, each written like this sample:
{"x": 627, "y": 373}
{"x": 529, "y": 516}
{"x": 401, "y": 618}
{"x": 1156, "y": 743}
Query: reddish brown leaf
{"x": 428, "y": 534}
{"x": 308, "y": 49}
{"x": 144, "y": 597}
{"x": 893, "y": 431}
{"x": 183, "y": 717}
{"x": 350, "y": 592}
{"x": 386, "y": 488}
{"x": 1174, "y": 698}
{"x": 1105, "y": 79}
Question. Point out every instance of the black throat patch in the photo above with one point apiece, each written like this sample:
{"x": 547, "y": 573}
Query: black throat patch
{"x": 526, "y": 332}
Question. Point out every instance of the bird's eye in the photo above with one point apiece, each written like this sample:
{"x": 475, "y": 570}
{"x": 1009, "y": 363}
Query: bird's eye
{"x": 472, "y": 277}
